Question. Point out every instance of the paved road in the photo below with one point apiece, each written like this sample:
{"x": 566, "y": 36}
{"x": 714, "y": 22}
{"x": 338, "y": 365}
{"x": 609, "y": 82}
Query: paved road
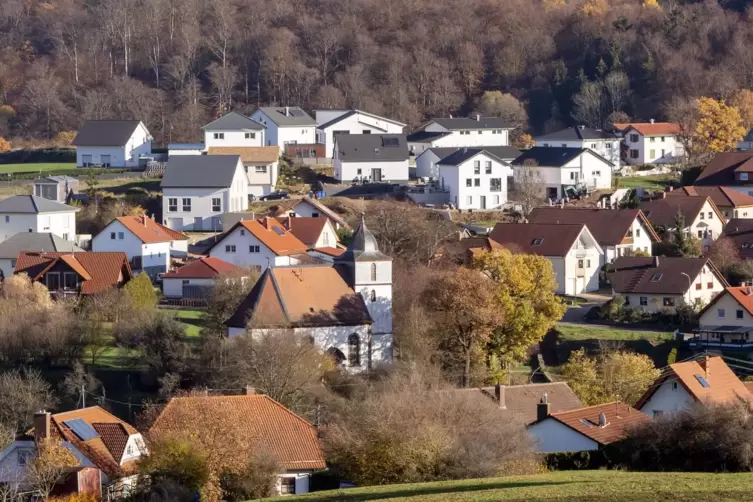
{"x": 577, "y": 314}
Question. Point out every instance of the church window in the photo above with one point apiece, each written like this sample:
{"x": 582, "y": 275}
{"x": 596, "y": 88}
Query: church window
{"x": 354, "y": 350}
{"x": 373, "y": 272}
{"x": 373, "y": 295}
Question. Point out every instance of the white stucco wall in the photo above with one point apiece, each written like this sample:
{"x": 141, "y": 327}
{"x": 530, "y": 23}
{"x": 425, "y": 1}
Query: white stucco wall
{"x": 124, "y": 240}
{"x": 653, "y": 149}
{"x": 552, "y": 436}
{"x": 262, "y": 183}
{"x": 728, "y": 316}
{"x": 707, "y": 226}
{"x": 588, "y": 278}
{"x": 607, "y": 148}
{"x": 586, "y": 168}
{"x": 392, "y": 171}
{"x": 668, "y": 398}
{"x": 704, "y": 279}
{"x": 426, "y": 165}
{"x": 62, "y": 224}
{"x": 7, "y": 266}
{"x": 173, "y": 288}
{"x": 355, "y": 124}
{"x": 476, "y": 137}
{"x": 455, "y": 178}
{"x": 242, "y": 239}
{"x": 234, "y": 138}
{"x": 117, "y": 155}
{"x": 139, "y": 144}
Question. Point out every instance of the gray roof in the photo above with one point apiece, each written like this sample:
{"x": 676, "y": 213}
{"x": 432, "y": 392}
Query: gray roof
{"x": 200, "y": 171}
{"x": 31, "y": 204}
{"x": 234, "y": 121}
{"x": 295, "y": 116}
{"x": 363, "y": 247}
{"x": 350, "y": 113}
{"x": 553, "y": 156}
{"x": 577, "y": 133}
{"x": 35, "y": 241}
{"x": 462, "y": 123}
{"x": 503, "y": 152}
{"x": 426, "y": 136}
{"x": 372, "y": 147}
{"x": 56, "y": 179}
{"x": 105, "y": 132}
{"x": 462, "y": 154}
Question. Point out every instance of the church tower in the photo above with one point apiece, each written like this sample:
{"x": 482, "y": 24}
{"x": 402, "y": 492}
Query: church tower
{"x": 370, "y": 275}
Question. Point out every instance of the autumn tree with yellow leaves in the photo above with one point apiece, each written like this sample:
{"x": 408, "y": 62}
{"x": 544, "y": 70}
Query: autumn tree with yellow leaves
{"x": 4, "y": 145}
{"x": 719, "y": 127}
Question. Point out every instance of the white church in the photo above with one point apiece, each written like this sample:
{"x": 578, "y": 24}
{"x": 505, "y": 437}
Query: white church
{"x": 344, "y": 308}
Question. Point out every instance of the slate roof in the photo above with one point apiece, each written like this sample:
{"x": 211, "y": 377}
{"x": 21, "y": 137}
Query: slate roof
{"x": 426, "y": 136}
{"x": 100, "y": 270}
{"x": 464, "y": 123}
{"x": 577, "y": 133}
{"x": 249, "y": 154}
{"x": 621, "y": 418}
{"x": 295, "y": 116}
{"x": 654, "y": 275}
{"x": 721, "y": 169}
{"x": 350, "y": 113}
{"x": 35, "y": 241}
{"x": 301, "y": 296}
{"x": 740, "y": 231}
{"x": 372, "y": 147}
{"x": 463, "y": 154}
{"x": 289, "y": 438}
{"x": 105, "y": 132}
{"x": 722, "y": 196}
{"x": 149, "y": 231}
{"x": 234, "y": 121}
{"x": 555, "y": 240}
{"x": 200, "y": 171}
{"x": 608, "y": 226}
{"x": 662, "y": 212}
{"x": 551, "y": 156}
{"x": 307, "y": 230}
{"x": 651, "y": 128}
{"x": 205, "y": 268}
{"x": 31, "y": 204}
{"x": 520, "y": 400}
{"x": 503, "y": 153}
{"x": 363, "y": 247}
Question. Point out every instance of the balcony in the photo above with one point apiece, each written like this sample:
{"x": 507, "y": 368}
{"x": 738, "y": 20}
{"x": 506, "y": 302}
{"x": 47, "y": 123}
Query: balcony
{"x": 719, "y": 337}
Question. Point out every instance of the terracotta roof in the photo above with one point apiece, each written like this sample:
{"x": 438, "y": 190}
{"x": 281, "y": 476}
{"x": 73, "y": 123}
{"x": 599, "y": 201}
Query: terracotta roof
{"x": 249, "y": 154}
{"x": 272, "y": 234}
{"x": 740, "y": 231}
{"x": 620, "y": 418}
{"x": 537, "y": 238}
{"x": 206, "y": 268}
{"x": 103, "y": 269}
{"x": 148, "y": 230}
{"x": 521, "y": 400}
{"x": 114, "y": 436}
{"x": 722, "y": 196}
{"x": 301, "y": 296}
{"x": 657, "y": 275}
{"x": 662, "y": 212}
{"x": 329, "y": 251}
{"x": 308, "y": 230}
{"x": 291, "y": 439}
{"x": 721, "y": 169}
{"x": 749, "y": 386}
{"x": 652, "y": 128}
{"x": 608, "y": 226}
{"x": 723, "y": 384}
{"x": 738, "y": 293}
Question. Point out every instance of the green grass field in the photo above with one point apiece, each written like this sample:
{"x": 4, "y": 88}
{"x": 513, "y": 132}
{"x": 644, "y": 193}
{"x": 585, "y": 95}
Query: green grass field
{"x": 570, "y": 331}
{"x": 33, "y": 168}
{"x": 563, "y": 486}
{"x": 659, "y": 182}
{"x": 191, "y": 319}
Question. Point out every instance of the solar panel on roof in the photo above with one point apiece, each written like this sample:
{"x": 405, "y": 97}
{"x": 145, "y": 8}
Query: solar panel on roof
{"x": 704, "y": 383}
{"x": 80, "y": 428}
{"x": 278, "y": 230}
{"x": 391, "y": 142}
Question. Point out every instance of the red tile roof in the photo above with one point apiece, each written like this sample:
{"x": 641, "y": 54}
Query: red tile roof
{"x": 721, "y": 169}
{"x": 738, "y": 293}
{"x": 272, "y": 234}
{"x": 740, "y": 231}
{"x": 288, "y": 205}
{"x": 149, "y": 231}
{"x": 608, "y": 226}
{"x": 260, "y": 419}
{"x": 206, "y": 268}
{"x": 536, "y": 238}
{"x": 651, "y": 128}
{"x": 620, "y": 418}
{"x": 330, "y": 251}
{"x": 521, "y": 400}
{"x": 99, "y": 270}
{"x": 308, "y": 230}
{"x": 722, "y": 196}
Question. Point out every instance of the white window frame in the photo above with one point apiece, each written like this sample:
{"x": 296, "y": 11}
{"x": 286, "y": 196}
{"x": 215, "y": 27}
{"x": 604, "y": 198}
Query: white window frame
{"x": 172, "y": 204}
{"x": 183, "y": 204}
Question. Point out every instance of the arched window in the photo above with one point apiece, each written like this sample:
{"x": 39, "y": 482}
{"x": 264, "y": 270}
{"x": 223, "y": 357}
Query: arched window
{"x": 354, "y": 350}
{"x": 373, "y": 272}
{"x": 373, "y": 295}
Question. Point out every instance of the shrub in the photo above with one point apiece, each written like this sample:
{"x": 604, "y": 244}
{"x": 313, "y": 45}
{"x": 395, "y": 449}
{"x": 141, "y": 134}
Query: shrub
{"x": 4, "y": 145}
{"x": 672, "y": 356}
{"x": 64, "y": 138}
{"x": 255, "y": 481}
{"x": 179, "y": 461}
{"x": 140, "y": 292}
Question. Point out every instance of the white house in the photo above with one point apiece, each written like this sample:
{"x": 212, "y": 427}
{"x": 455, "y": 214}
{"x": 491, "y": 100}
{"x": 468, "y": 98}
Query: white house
{"x": 731, "y": 203}
{"x": 727, "y": 319}
{"x": 112, "y": 143}
{"x": 653, "y": 284}
{"x": 307, "y": 207}
{"x": 31, "y": 241}
{"x": 377, "y": 158}
{"x": 562, "y": 171}
{"x": 747, "y": 142}
{"x": 707, "y": 380}
{"x": 259, "y": 244}
{"x": 286, "y": 125}
{"x": 57, "y": 188}
{"x": 28, "y": 213}
{"x": 332, "y": 123}
{"x": 475, "y": 178}
{"x": 148, "y": 245}
{"x": 196, "y": 279}
{"x": 702, "y": 218}
{"x": 260, "y": 163}
{"x": 185, "y": 149}
{"x": 584, "y": 429}
{"x": 426, "y": 162}
{"x": 345, "y": 309}
{"x": 604, "y": 144}
{"x": 460, "y": 132}
{"x": 573, "y": 250}
{"x": 197, "y": 189}
{"x": 234, "y": 129}
{"x": 652, "y": 142}
{"x": 619, "y": 232}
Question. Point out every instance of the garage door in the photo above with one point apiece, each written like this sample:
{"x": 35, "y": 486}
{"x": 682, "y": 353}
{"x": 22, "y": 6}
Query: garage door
{"x": 175, "y": 223}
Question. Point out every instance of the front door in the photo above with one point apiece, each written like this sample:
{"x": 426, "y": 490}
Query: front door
{"x": 376, "y": 175}
{"x": 483, "y": 202}
{"x": 175, "y": 223}
{"x": 551, "y": 193}
{"x": 197, "y": 224}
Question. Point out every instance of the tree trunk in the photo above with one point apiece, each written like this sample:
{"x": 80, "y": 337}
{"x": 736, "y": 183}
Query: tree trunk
{"x": 467, "y": 368}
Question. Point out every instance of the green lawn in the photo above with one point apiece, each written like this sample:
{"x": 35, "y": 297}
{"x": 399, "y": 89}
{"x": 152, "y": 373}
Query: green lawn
{"x": 569, "y": 486}
{"x": 191, "y": 319}
{"x": 659, "y": 182}
{"x": 570, "y": 331}
{"x": 33, "y": 168}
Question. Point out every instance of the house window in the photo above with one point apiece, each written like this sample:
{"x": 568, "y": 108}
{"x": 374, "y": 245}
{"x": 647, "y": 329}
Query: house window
{"x": 121, "y": 236}
{"x": 698, "y": 286}
{"x": 477, "y": 182}
{"x": 651, "y": 154}
{"x": 373, "y": 296}
{"x": 702, "y": 214}
{"x": 469, "y": 200}
{"x": 709, "y": 285}
{"x": 53, "y": 281}
{"x": 743, "y": 176}
{"x": 488, "y": 167}
{"x": 653, "y": 140}
{"x": 674, "y": 385}
{"x": 25, "y": 457}
{"x": 287, "y": 486}
{"x": 230, "y": 248}
{"x": 721, "y": 313}
{"x": 633, "y": 153}
{"x": 86, "y": 160}
{"x": 253, "y": 249}
{"x": 739, "y": 314}
{"x": 250, "y": 135}
{"x": 637, "y": 232}
{"x": 495, "y": 184}
{"x": 588, "y": 263}
{"x": 186, "y": 204}
{"x": 219, "y": 135}
{"x": 104, "y": 160}
{"x": 354, "y": 350}
{"x": 373, "y": 272}
{"x": 662, "y": 139}
{"x": 112, "y": 236}
{"x": 70, "y": 280}
{"x": 243, "y": 232}
{"x": 468, "y": 182}
{"x": 476, "y": 167}
{"x": 216, "y": 204}
{"x": 172, "y": 205}
{"x": 711, "y": 215}
{"x": 261, "y": 169}
{"x": 658, "y": 413}
{"x": 634, "y": 138}
{"x": 597, "y": 173}
{"x": 700, "y": 234}
{"x": 359, "y": 172}
{"x": 7, "y": 218}
{"x": 644, "y": 300}
{"x": 668, "y": 301}
{"x": 325, "y": 239}
{"x": 580, "y": 263}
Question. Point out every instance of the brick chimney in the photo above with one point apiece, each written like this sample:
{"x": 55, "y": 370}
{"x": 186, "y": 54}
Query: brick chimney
{"x": 41, "y": 425}
{"x": 705, "y": 366}
{"x": 499, "y": 395}
{"x": 542, "y": 409}
{"x": 250, "y": 391}
{"x": 656, "y": 261}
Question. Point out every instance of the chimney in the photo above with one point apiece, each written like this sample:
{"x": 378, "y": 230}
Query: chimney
{"x": 542, "y": 409}
{"x": 499, "y": 394}
{"x": 603, "y": 420}
{"x": 478, "y": 117}
{"x": 652, "y": 121}
{"x": 670, "y": 188}
{"x": 287, "y": 111}
{"x": 705, "y": 366}
{"x": 664, "y": 195}
{"x": 581, "y": 127}
{"x": 41, "y": 425}
{"x": 250, "y": 391}
{"x": 749, "y": 291}
{"x": 143, "y": 219}
{"x": 656, "y": 261}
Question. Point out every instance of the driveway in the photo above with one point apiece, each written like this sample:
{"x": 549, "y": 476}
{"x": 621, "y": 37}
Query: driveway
{"x": 576, "y": 314}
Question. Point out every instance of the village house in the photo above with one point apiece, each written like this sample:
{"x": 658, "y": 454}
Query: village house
{"x": 731, "y": 203}
{"x": 653, "y": 284}
{"x": 619, "y": 232}
{"x": 732, "y": 170}
{"x": 702, "y": 218}
{"x": 260, "y": 163}
{"x": 314, "y": 232}
{"x": 374, "y": 158}
{"x": 476, "y": 131}
{"x": 197, "y": 189}
{"x": 332, "y": 123}
{"x": 259, "y": 424}
{"x": 56, "y": 188}
{"x": 740, "y": 232}
{"x": 426, "y": 162}
{"x": 30, "y": 241}
{"x": 706, "y": 380}
{"x": 747, "y": 142}
{"x": 583, "y": 429}
{"x": 29, "y": 213}
{"x": 474, "y": 178}
{"x": 112, "y": 143}
{"x": 573, "y": 250}
{"x": 77, "y": 273}
{"x": 727, "y": 321}
{"x": 562, "y": 172}
{"x": 286, "y": 125}
{"x": 107, "y": 448}
{"x": 604, "y": 144}
{"x": 345, "y": 308}
{"x": 149, "y": 246}
{"x": 259, "y": 244}
{"x": 234, "y": 129}
{"x": 306, "y": 207}
{"x": 652, "y": 142}
{"x": 195, "y": 280}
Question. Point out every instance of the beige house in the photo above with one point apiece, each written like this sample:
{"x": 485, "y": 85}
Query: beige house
{"x": 727, "y": 321}
{"x": 702, "y": 217}
{"x": 731, "y": 203}
{"x": 261, "y": 164}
